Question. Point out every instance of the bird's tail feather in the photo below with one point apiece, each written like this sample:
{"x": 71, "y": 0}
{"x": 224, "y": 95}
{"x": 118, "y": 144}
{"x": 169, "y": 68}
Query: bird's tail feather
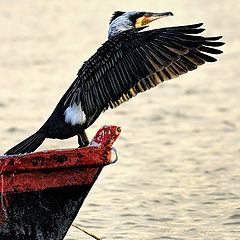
{"x": 28, "y": 145}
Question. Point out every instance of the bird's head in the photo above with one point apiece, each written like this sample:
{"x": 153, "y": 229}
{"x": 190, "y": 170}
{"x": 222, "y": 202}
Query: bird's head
{"x": 122, "y": 21}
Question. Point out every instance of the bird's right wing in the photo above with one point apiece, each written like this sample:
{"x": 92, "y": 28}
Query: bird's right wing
{"x": 133, "y": 62}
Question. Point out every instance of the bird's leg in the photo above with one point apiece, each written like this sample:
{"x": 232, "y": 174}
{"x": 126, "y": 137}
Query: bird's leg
{"x": 83, "y": 139}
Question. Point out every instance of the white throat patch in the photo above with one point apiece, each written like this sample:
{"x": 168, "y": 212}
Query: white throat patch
{"x": 75, "y": 115}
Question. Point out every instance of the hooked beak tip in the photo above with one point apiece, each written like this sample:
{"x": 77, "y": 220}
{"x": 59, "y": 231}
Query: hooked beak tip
{"x": 165, "y": 14}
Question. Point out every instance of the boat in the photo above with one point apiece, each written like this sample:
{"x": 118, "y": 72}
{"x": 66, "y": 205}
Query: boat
{"x": 42, "y": 192}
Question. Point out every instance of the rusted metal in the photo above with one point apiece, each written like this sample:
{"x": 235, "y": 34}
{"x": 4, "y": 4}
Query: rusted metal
{"x": 42, "y": 192}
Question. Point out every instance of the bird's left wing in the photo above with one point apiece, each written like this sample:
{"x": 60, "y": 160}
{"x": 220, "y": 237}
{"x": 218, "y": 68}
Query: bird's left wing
{"x": 133, "y": 62}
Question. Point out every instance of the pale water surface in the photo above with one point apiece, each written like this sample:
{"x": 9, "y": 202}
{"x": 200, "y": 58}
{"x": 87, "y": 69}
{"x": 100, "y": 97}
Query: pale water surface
{"x": 178, "y": 174}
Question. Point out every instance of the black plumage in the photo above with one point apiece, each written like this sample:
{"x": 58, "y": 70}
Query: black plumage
{"x": 128, "y": 63}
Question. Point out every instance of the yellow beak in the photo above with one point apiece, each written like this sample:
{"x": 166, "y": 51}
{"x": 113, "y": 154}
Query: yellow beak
{"x": 142, "y": 21}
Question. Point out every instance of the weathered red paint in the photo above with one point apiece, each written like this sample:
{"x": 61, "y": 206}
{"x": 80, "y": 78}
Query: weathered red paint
{"x": 56, "y": 168}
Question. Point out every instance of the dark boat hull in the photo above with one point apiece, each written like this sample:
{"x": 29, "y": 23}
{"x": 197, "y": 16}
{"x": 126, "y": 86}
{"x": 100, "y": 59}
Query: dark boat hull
{"x": 42, "y": 215}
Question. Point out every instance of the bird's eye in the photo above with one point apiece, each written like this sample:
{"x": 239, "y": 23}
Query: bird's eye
{"x": 147, "y": 14}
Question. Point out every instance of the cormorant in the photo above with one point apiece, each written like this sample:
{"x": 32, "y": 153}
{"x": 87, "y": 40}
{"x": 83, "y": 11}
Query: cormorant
{"x": 129, "y": 62}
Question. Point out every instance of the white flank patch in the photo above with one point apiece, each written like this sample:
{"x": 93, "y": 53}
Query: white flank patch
{"x": 75, "y": 115}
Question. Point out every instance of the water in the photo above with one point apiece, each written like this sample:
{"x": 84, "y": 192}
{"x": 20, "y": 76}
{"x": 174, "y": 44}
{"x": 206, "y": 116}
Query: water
{"x": 177, "y": 176}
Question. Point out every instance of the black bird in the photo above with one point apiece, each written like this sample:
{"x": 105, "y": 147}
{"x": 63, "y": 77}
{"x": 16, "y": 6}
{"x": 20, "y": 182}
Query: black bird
{"x": 129, "y": 62}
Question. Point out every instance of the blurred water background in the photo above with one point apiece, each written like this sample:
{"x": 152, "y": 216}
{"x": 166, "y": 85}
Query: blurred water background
{"x": 178, "y": 173}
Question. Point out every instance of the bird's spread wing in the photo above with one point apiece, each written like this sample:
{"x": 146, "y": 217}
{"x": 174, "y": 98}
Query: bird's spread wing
{"x": 133, "y": 62}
